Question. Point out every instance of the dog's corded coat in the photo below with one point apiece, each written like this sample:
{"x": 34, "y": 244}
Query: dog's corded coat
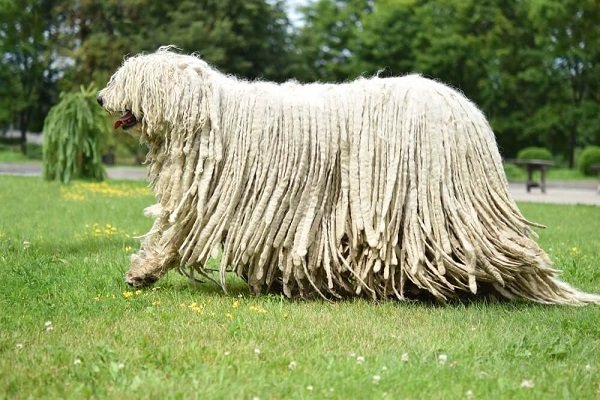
{"x": 386, "y": 187}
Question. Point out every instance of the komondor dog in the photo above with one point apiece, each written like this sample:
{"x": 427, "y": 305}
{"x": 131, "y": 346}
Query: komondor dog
{"x": 387, "y": 188}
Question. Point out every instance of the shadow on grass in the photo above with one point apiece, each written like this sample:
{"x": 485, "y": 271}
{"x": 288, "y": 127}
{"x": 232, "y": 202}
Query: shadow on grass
{"x": 236, "y": 286}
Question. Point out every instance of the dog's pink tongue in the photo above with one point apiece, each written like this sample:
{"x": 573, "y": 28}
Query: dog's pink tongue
{"x": 126, "y": 121}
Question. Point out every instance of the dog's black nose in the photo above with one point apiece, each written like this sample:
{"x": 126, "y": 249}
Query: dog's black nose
{"x": 100, "y": 101}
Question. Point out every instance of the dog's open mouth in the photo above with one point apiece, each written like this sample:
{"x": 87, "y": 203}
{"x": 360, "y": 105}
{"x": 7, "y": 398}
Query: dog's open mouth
{"x": 126, "y": 121}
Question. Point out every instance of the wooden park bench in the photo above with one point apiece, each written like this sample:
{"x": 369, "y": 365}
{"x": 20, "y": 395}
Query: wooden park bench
{"x": 532, "y": 166}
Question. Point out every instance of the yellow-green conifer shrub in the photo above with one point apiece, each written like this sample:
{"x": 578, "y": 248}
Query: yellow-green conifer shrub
{"x": 75, "y": 131}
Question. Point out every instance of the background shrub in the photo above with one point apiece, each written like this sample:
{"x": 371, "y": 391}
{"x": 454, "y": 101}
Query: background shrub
{"x": 514, "y": 173}
{"x": 588, "y": 157}
{"x": 35, "y": 151}
{"x": 535, "y": 153}
{"x": 75, "y": 132}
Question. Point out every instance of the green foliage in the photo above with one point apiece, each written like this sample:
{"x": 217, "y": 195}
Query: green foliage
{"x": 129, "y": 150}
{"x": 513, "y": 172}
{"x": 63, "y": 263}
{"x": 588, "y": 157}
{"x": 246, "y": 38}
{"x": 534, "y": 153}
{"x": 532, "y": 66}
{"x": 35, "y": 151}
{"x": 28, "y": 32}
{"x": 326, "y": 44}
{"x": 75, "y": 131}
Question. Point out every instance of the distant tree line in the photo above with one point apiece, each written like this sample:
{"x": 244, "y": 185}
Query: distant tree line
{"x": 533, "y": 66}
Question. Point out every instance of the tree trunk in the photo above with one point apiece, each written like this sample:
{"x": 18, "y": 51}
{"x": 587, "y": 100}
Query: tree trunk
{"x": 572, "y": 144}
{"x": 23, "y": 128}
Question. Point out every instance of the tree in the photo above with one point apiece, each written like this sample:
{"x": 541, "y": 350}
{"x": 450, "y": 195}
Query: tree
{"x": 531, "y": 66}
{"x": 568, "y": 33}
{"x": 246, "y": 38}
{"x": 325, "y": 46}
{"x": 96, "y": 36}
{"x": 28, "y": 74}
{"x": 385, "y": 42}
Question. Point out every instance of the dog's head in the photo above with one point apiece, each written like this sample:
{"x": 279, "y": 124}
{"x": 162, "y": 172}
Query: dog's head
{"x": 154, "y": 91}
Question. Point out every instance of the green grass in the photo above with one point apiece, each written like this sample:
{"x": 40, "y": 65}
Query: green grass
{"x": 14, "y": 154}
{"x": 63, "y": 252}
{"x": 10, "y": 155}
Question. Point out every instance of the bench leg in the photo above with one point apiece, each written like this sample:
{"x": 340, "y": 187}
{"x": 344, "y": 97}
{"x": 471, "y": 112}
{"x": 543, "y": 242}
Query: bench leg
{"x": 543, "y": 179}
{"x": 529, "y": 182}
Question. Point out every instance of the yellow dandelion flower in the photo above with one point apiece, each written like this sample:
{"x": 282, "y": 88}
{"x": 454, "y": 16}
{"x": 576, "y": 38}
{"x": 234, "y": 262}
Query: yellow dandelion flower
{"x": 127, "y": 294}
{"x": 257, "y": 309}
{"x": 229, "y": 316}
{"x": 235, "y": 304}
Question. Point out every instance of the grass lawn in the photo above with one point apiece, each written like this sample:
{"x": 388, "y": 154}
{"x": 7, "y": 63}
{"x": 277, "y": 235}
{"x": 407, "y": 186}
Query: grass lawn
{"x": 70, "y": 328}
{"x": 13, "y": 154}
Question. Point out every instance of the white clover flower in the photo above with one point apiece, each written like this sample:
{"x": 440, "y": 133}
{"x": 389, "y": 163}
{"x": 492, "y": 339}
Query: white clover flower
{"x": 527, "y": 384}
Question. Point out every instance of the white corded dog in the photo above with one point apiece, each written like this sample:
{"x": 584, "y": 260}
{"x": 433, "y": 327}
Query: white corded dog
{"x": 382, "y": 187}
